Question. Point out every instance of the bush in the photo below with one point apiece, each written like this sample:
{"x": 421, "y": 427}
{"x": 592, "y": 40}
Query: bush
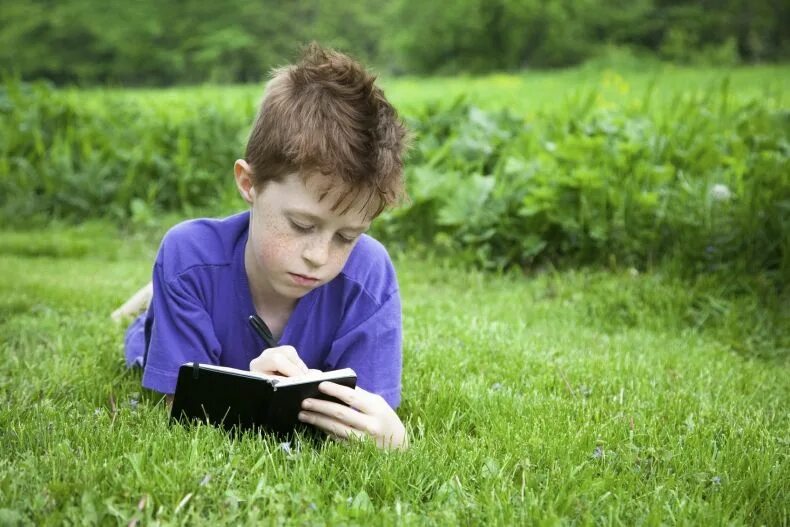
{"x": 74, "y": 157}
{"x": 702, "y": 180}
{"x": 595, "y": 184}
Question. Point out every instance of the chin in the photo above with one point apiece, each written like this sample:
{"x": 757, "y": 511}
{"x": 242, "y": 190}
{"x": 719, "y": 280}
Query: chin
{"x": 293, "y": 292}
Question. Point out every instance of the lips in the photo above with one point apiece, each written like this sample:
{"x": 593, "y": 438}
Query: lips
{"x": 303, "y": 280}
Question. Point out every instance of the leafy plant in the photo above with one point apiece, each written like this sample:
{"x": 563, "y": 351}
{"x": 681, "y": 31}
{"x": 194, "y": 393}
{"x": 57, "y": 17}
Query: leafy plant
{"x": 699, "y": 176}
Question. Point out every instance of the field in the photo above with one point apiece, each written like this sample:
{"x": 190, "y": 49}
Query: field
{"x": 539, "y": 391}
{"x": 523, "y": 93}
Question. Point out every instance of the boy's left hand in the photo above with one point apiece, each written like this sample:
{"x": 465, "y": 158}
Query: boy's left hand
{"x": 367, "y": 414}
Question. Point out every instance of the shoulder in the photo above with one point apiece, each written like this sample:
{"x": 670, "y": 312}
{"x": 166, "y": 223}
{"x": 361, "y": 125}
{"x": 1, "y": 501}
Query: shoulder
{"x": 370, "y": 267}
{"x": 201, "y": 242}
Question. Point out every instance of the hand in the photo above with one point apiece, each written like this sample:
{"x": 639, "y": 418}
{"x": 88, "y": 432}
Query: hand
{"x": 369, "y": 415}
{"x": 282, "y": 360}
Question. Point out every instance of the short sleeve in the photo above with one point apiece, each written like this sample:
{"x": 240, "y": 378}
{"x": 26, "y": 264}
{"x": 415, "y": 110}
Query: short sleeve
{"x": 182, "y": 331}
{"x": 373, "y": 350}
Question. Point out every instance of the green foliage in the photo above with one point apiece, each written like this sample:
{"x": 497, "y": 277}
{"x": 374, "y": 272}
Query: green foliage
{"x": 698, "y": 177}
{"x": 153, "y": 43}
{"x": 698, "y": 180}
{"x": 71, "y": 157}
{"x": 146, "y": 42}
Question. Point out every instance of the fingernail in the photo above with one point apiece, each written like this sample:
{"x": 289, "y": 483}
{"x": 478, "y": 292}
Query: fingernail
{"x": 302, "y": 416}
{"x": 306, "y": 404}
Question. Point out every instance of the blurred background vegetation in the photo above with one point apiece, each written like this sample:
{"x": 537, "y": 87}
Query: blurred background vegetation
{"x": 154, "y": 43}
{"x": 563, "y": 132}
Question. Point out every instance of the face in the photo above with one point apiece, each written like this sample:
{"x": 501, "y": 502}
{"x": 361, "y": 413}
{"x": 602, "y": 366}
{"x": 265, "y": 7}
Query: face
{"x": 296, "y": 242}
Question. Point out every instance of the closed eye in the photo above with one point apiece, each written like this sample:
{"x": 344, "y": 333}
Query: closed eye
{"x": 345, "y": 239}
{"x": 305, "y": 228}
{"x": 298, "y": 227}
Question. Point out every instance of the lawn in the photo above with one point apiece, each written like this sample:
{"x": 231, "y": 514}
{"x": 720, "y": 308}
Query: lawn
{"x": 585, "y": 397}
{"x": 523, "y": 93}
{"x": 601, "y": 395}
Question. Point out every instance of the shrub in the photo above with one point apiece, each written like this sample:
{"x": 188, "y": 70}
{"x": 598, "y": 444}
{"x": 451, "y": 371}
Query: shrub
{"x": 598, "y": 184}
{"x": 701, "y": 180}
{"x": 74, "y": 157}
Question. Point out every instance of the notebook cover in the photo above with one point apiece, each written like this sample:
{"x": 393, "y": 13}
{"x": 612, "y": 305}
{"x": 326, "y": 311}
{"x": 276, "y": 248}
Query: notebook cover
{"x": 238, "y": 402}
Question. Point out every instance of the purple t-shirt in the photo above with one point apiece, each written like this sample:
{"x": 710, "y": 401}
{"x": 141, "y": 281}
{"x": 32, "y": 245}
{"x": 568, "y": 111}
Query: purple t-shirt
{"x": 202, "y": 300}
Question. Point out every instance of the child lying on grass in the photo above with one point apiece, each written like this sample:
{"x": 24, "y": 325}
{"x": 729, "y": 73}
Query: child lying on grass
{"x": 324, "y": 158}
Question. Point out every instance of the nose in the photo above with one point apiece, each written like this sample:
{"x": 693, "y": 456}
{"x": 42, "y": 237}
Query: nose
{"x": 316, "y": 251}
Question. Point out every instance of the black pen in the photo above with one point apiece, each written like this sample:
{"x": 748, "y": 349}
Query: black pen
{"x": 261, "y": 329}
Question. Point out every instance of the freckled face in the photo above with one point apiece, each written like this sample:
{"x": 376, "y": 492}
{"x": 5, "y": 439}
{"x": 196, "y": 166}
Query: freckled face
{"x": 296, "y": 242}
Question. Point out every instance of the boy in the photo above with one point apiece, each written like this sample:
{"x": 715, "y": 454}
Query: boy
{"x": 324, "y": 158}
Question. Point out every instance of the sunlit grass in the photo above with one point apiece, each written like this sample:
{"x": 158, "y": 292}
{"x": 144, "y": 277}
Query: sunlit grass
{"x": 586, "y": 397}
{"x": 524, "y": 92}
{"x": 557, "y": 398}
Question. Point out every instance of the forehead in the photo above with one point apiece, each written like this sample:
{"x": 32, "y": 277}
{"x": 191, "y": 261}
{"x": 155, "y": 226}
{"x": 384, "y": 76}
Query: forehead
{"x": 327, "y": 197}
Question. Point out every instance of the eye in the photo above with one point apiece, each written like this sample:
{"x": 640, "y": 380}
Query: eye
{"x": 345, "y": 240}
{"x": 298, "y": 227}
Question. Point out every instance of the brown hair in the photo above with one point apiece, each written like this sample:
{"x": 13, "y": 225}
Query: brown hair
{"x": 325, "y": 115}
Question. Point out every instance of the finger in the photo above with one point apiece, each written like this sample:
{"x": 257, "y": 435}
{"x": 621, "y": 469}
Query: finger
{"x": 338, "y": 412}
{"x": 330, "y": 425}
{"x": 258, "y": 364}
{"x": 281, "y": 363}
{"x": 290, "y": 353}
{"x": 355, "y": 397}
{"x": 266, "y": 363}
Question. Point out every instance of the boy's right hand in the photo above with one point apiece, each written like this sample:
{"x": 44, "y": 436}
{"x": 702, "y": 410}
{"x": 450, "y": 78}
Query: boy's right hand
{"x": 282, "y": 360}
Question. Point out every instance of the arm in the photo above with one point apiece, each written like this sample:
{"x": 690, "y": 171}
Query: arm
{"x": 373, "y": 350}
{"x": 180, "y": 330}
{"x": 183, "y": 331}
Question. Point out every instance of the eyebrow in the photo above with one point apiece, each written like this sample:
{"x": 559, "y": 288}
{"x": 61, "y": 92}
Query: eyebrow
{"x": 319, "y": 220}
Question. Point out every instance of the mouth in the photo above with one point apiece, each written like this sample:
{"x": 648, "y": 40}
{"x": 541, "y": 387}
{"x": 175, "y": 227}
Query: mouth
{"x": 303, "y": 280}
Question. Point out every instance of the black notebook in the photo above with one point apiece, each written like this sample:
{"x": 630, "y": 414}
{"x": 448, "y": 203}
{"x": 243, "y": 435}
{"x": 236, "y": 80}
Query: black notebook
{"x": 239, "y": 399}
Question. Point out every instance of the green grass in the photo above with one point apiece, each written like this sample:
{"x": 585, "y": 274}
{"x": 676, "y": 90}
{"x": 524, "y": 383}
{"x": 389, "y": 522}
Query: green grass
{"x": 536, "y": 91}
{"x": 583, "y": 397}
{"x": 523, "y": 93}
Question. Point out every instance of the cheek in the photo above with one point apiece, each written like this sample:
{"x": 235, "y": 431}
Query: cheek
{"x": 339, "y": 257}
{"x": 271, "y": 252}
{"x": 274, "y": 245}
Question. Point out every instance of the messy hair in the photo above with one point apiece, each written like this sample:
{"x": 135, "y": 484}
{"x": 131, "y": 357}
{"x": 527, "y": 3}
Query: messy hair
{"x": 325, "y": 115}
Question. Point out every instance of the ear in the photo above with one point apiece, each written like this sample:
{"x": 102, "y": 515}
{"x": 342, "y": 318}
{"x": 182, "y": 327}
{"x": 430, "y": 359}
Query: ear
{"x": 243, "y": 173}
